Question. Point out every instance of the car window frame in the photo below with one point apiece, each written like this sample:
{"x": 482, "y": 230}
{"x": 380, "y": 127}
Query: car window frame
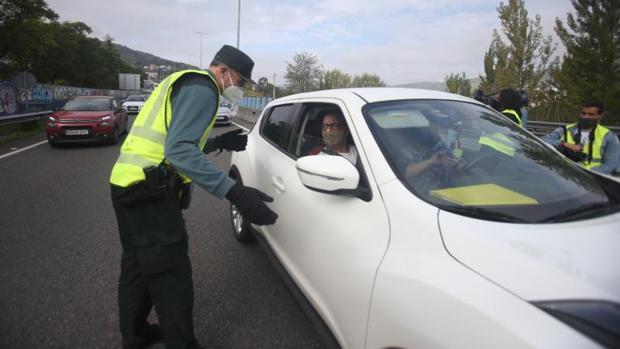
{"x": 364, "y": 183}
{"x": 295, "y": 117}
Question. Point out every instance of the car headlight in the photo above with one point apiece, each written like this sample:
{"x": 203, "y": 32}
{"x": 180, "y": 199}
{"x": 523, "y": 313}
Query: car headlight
{"x": 598, "y": 320}
{"x": 107, "y": 117}
{"x": 51, "y": 118}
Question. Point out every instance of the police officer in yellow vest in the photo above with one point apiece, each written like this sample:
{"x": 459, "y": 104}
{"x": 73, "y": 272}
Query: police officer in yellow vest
{"x": 587, "y": 142}
{"x": 510, "y": 104}
{"x": 150, "y": 184}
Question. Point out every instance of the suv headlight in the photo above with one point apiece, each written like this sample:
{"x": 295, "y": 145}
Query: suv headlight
{"x": 598, "y": 320}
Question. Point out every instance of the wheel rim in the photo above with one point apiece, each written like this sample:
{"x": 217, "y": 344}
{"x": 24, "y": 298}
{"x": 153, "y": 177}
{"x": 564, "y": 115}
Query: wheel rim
{"x": 237, "y": 219}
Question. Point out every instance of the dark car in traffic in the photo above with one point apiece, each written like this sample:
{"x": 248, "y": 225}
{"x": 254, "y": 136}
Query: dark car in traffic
{"x": 87, "y": 119}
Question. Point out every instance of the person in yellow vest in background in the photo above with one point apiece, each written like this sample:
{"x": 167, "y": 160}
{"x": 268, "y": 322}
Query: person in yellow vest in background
{"x": 151, "y": 183}
{"x": 510, "y": 104}
{"x": 587, "y": 142}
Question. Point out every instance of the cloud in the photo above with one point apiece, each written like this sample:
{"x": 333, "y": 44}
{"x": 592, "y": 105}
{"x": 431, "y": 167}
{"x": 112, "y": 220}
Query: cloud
{"x": 401, "y": 40}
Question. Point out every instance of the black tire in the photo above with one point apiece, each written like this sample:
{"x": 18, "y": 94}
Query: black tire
{"x": 115, "y": 135}
{"x": 242, "y": 229}
{"x": 52, "y": 143}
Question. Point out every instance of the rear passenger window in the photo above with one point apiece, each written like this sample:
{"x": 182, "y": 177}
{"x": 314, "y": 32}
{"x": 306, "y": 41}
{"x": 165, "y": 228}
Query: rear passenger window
{"x": 279, "y": 124}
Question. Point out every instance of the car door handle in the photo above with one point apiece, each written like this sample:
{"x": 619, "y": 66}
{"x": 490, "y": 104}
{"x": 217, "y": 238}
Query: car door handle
{"x": 277, "y": 183}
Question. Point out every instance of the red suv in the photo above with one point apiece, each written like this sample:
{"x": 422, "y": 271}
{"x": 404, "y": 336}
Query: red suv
{"x": 87, "y": 119}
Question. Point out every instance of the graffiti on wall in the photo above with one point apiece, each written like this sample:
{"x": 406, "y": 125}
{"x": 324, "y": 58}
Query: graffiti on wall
{"x": 45, "y": 97}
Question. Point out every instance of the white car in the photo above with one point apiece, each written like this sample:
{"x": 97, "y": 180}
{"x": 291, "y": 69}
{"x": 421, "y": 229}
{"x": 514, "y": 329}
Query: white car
{"x": 133, "y": 104}
{"x": 499, "y": 243}
{"x": 224, "y": 114}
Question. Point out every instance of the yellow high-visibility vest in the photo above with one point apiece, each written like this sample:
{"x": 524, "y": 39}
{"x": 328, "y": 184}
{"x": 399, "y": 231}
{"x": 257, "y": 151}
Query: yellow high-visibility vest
{"x": 499, "y": 142}
{"x": 599, "y": 135}
{"x": 516, "y": 115}
{"x": 144, "y": 145}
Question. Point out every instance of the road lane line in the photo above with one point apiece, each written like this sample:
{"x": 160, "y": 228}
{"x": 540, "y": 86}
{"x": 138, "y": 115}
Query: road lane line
{"x": 236, "y": 124}
{"x": 22, "y": 149}
{"x": 42, "y": 142}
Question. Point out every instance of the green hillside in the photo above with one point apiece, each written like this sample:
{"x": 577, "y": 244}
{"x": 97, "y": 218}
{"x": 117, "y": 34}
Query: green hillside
{"x": 141, "y": 59}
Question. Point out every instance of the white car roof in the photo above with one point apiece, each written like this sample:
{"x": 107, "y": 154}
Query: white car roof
{"x": 377, "y": 94}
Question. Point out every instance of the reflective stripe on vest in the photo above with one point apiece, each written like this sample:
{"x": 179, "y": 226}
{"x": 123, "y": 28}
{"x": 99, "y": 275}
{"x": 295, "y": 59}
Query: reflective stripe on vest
{"x": 516, "y": 115}
{"x": 499, "y": 142}
{"x": 599, "y": 135}
{"x": 144, "y": 145}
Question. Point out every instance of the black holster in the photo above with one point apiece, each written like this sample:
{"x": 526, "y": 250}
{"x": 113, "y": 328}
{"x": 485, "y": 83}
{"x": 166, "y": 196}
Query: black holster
{"x": 159, "y": 181}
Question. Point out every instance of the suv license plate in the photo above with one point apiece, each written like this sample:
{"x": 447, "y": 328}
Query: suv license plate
{"x": 76, "y": 132}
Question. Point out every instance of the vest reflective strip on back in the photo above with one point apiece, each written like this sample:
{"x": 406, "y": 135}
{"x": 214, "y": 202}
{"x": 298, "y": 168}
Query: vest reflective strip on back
{"x": 499, "y": 142}
{"x": 516, "y": 115}
{"x": 599, "y": 135}
{"x": 145, "y": 142}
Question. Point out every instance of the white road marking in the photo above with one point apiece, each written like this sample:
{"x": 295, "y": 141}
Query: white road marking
{"x": 43, "y": 142}
{"x": 246, "y": 129}
{"x": 22, "y": 149}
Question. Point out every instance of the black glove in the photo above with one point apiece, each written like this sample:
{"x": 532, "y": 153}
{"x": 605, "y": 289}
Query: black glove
{"x": 231, "y": 140}
{"x": 251, "y": 204}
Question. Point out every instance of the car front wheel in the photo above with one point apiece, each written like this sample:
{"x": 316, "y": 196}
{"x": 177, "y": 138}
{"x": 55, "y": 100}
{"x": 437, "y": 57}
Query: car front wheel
{"x": 115, "y": 135}
{"x": 241, "y": 226}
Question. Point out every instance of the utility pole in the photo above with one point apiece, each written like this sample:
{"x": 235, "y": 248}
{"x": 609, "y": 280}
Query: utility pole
{"x": 201, "y": 34}
{"x": 274, "y": 85}
{"x": 238, "y": 21}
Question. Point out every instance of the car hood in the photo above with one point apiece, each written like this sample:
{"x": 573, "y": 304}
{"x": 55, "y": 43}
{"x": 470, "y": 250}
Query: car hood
{"x": 82, "y": 115}
{"x": 574, "y": 260}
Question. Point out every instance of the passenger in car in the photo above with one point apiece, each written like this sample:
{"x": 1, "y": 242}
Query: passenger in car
{"x": 335, "y": 136}
{"x": 423, "y": 156}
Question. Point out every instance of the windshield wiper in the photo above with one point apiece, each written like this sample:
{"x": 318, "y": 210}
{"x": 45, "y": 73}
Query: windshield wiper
{"x": 483, "y": 213}
{"x": 583, "y": 211}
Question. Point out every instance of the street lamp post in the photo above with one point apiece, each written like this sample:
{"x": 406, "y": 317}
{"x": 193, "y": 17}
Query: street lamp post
{"x": 238, "y": 21}
{"x": 274, "y": 85}
{"x": 201, "y": 34}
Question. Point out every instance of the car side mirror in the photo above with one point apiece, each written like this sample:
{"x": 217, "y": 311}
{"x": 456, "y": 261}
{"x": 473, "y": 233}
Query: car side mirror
{"x": 331, "y": 174}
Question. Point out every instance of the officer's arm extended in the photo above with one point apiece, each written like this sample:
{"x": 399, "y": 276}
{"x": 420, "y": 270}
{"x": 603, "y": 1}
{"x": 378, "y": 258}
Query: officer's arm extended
{"x": 194, "y": 103}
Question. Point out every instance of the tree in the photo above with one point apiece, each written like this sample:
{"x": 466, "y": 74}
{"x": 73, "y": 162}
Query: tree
{"x": 591, "y": 64}
{"x": 487, "y": 82}
{"x": 367, "y": 80}
{"x": 336, "y": 78}
{"x": 460, "y": 84}
{"x": 23, "y": 33}
{"x": 525, "y": 58}
{"x": 303, "y": 74}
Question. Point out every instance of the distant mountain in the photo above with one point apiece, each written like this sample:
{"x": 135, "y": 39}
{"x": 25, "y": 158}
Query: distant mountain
{"x": 437, "y": 86}
{"x": 141, "y": 59}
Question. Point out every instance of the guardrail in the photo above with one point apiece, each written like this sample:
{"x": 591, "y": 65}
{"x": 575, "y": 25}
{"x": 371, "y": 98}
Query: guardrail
{"x": 16, "y": 119}
{"x": 541, "y": 128}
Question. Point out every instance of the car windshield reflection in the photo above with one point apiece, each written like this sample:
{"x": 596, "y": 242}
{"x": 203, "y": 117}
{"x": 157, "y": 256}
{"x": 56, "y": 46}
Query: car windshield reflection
{"x": 467, "y": 159}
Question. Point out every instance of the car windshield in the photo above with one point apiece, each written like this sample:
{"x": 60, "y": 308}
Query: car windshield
{"x": 468, "y": 159}
{"x": 135, "y": 99}
{"x": 88, "y": 104}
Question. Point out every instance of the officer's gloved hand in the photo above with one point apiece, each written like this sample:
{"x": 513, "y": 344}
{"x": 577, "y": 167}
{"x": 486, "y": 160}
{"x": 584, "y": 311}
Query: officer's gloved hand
{"x": 251, "y": 204}
{"x": 231, "y": 140}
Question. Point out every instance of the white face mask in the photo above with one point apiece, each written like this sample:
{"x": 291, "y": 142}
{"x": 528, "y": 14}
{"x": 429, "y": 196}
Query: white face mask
{"x": 233, "y": 93}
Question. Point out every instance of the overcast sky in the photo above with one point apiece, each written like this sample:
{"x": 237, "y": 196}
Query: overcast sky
{"x": 403, "y": 41}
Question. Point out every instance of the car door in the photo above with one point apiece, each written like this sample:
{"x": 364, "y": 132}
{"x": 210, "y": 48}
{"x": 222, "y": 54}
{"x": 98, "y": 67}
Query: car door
{"x": 331, "y": 244}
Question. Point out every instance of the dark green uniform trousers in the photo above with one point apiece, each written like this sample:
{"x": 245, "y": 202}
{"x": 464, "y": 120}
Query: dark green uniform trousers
{"x": 155, "y": 268}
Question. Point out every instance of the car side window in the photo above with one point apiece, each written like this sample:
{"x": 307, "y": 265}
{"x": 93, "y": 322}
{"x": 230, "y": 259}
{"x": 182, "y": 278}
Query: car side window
{"x": 278, "y": 125}
{"x": 308, "y": 138}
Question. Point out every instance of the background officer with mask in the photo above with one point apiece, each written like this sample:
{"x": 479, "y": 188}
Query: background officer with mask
{"x": 150, "y": 182}
{"x": 587, "y": 142}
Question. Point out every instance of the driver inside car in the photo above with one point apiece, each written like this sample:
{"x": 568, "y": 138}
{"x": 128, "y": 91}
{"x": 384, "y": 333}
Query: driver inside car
{"x": 336, "y": 137}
